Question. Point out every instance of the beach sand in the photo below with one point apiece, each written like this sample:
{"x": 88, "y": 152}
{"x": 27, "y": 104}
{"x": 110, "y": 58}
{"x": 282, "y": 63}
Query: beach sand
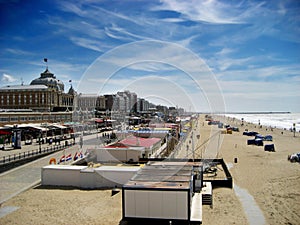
{"x": 268, "y": 177}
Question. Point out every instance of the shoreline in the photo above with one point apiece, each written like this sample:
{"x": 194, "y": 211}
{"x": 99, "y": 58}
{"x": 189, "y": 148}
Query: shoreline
{"x": 279, "y": 123}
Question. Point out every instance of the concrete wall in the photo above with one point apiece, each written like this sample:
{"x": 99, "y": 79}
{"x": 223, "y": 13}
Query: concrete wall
{"x": 61, "y": 175}
{"x": 87, "y": 178}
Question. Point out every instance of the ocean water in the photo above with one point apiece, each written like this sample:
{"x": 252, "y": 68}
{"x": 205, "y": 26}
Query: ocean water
{"x": 275, "y": 120}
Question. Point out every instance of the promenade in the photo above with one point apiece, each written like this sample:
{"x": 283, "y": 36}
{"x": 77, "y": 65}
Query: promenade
{"x": 26, "y": 176}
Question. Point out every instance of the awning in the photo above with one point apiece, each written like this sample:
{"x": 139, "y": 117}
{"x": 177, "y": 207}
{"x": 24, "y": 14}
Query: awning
{"x": 5, "y": 132}
{"x": 59, "y": 126}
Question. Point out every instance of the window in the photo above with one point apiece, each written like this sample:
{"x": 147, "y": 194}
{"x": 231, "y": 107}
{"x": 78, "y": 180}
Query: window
{"x": 31, "y": 118}
{"x": 4, "y": 119}
{"x": 14, "y": 119}
{"x": 23, "y": 118}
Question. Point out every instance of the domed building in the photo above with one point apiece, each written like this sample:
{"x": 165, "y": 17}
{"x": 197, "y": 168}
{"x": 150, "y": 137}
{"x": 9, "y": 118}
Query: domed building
{"x": 47, "y": 78}
{"x": 44, "y": 94}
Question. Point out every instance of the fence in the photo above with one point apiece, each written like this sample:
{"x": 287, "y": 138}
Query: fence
{"x": 31, "y": 154}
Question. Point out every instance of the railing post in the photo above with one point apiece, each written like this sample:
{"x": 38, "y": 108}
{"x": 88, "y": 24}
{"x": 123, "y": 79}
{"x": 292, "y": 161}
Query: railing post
{"x": 3, "y": 159}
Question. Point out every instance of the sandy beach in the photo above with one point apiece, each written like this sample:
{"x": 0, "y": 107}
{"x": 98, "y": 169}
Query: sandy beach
{"x": 268, "y": 177}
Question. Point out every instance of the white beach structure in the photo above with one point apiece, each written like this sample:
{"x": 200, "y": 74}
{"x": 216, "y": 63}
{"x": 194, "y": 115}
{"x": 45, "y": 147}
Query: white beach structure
{"x": 87, "y": 177}
{"x": 163, "y": 191}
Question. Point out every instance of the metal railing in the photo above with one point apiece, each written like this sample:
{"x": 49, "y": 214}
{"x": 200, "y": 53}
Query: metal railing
{"x": 32, "y": 153}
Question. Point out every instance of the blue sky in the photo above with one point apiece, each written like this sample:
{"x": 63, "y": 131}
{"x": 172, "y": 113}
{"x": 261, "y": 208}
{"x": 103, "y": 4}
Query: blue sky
{"x": 200, "y": 55}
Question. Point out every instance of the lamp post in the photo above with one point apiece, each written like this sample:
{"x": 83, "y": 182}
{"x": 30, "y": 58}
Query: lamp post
{"x": 40, "y": 144}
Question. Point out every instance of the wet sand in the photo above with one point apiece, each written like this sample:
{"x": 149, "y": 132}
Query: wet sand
{"x": 267, "y": 177}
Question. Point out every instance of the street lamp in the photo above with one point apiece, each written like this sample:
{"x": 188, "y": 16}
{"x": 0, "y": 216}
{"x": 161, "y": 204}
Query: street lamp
{"x": 40, "y": 144}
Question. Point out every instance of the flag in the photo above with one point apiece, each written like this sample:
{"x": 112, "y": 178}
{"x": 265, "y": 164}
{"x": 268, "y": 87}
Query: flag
{"x": 45, "y": 60}
{"x": 70, "y": 81}
{"x": 69, "y": 157}
{"x": 62, "y": 159}
{"x": 76, "y": 156}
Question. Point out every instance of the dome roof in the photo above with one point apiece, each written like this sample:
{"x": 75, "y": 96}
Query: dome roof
{"x": 72, "y": 91}
{"x": 47, "y": 78}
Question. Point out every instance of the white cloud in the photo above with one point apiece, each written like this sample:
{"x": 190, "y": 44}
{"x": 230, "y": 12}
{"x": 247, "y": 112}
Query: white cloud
{"x": 8, "y": 78}
{"x": 225, "y": 52}
{"x": 88, "y": 43}
{"x": 122, "y": 34}
{"x": 17, "y": 51}
{"x": 209, "y": 11}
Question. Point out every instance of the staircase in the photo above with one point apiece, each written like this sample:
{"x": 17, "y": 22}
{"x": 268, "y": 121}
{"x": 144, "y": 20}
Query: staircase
{"x": 206, "y": 192}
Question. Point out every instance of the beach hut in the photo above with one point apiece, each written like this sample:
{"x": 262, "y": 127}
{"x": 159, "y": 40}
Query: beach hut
{"x": 270, "y": 148}
{"x": 268, "y": 138}
{"x": 162, "y": 191}
{"x": 259, "y": 136}
{"x": 251, "y": 142}
{"x": 259, "y": 142}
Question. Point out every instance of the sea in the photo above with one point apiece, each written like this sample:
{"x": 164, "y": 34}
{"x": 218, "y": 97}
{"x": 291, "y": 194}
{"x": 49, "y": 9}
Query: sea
{"x": 275, "y": 120}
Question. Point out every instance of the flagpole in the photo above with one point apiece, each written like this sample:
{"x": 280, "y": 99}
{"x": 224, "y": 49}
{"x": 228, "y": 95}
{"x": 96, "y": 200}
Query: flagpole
{"x": 46, "y": 61}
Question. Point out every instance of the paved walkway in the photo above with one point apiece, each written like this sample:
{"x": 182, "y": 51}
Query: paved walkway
{"x": 9, "y": 150}
{"x": 24, "y": 177}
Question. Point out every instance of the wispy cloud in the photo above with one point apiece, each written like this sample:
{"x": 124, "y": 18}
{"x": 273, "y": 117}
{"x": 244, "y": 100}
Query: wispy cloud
{"x": 18, "y": 52}
{"x": 273, "y": 73}
{"x": 88, "y": 43}
{"x": 6, "y": 78}
{"x": 122, "y": 34}
{"x": 215, "y": 12}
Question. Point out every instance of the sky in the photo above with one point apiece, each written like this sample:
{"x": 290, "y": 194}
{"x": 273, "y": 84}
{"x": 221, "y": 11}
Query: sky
{"x": 205, "y": 55}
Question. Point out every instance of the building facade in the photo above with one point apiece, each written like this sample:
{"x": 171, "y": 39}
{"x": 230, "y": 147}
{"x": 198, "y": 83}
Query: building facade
{"x": 44, "y": 94}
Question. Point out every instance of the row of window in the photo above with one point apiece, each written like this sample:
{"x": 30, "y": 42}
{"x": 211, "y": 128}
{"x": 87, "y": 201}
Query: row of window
{"x": 18, "y": 99}
{"x": 26, "y": 99}
{"x": 8, "y": 118}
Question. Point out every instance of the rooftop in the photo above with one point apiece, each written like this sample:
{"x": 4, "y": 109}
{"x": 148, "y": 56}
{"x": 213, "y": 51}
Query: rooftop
{"x": 162, "y": 175}
{"x": 135, "y": 141}
{"x": 24, "y": 87}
